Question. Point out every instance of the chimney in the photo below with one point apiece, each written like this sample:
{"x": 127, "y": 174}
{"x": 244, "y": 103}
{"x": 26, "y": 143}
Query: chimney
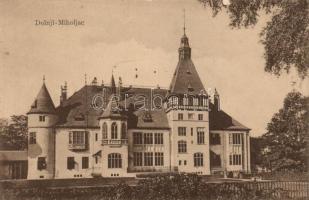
{"x": 217, "y": 100}
{"x": 119, "y": 87}
{"x": 63, "y": 96}
{"x": 94, "y": 81}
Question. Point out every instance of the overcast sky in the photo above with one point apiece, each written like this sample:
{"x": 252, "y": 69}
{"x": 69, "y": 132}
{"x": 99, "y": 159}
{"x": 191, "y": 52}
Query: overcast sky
{"x": 134, "y": 34}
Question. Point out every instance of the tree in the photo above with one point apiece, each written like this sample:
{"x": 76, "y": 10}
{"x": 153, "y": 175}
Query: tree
{"x": 285, "y": 37}
{"x": 285, "y": 140}
{"x": 14, "y": 135}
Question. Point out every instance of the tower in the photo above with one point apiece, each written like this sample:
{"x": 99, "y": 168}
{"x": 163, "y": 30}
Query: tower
{"x": 187, "y": 111}
{"x": 113, "y": 126}
{"x": 41, "y": 136}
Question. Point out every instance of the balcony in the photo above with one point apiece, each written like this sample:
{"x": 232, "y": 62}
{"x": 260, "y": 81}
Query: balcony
{"x": 115, "y": 142}
{"x": 139, "y": 169}
{"x": 187, "y": 107}
{"x": 78, "y": 146}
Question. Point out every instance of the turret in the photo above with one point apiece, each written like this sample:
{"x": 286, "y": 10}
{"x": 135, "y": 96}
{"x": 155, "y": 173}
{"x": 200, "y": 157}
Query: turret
{"x": 41, "y": 138}
{"x": 113, "y": 124}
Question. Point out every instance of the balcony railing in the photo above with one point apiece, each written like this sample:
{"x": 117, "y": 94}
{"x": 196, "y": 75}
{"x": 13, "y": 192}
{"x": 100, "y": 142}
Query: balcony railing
{"x": 115, "y": 142}
{"x": 154, "y": 169}
{"x": 78, "y": 146}
{"x": 171, "y": 106}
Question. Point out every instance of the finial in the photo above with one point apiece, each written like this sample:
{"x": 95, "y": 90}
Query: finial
{"x": 184, "y": 21}
{"x": 85, "y": 79}
{"x": 43, "y": 78}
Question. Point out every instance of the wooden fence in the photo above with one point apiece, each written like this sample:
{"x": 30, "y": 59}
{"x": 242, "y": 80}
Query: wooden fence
{"x": 280, "y": 189}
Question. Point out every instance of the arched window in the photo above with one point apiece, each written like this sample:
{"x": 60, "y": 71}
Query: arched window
{"x": 198, "y": 160}
{"x": 114, "y": 160}
{"x": 123, "y": 131}
{"x": 182, "y": 146}
{"x": 190, "y": 103}
{"x": 114, "y": 134}
{"x": 104, "y": 131}
{"x": 200, "y": 100}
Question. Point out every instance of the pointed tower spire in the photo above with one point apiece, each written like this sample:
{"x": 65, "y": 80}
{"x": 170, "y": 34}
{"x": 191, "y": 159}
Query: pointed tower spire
{"x": 186, "y": 79}
{"x": 184, "y": 49}
{"x": 43, "y": 102}
{"x": 113, "y": 85}
{"x": 184, "y": 21}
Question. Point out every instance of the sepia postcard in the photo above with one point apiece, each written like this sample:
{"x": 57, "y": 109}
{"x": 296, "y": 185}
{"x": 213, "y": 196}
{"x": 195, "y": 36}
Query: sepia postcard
{"x": 154, "y": 99}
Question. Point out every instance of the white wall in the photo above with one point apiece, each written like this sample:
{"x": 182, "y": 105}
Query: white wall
{"x": 44, "y": 146}
{"x": 63, "y": 152}
{"x": 192, "y": 146}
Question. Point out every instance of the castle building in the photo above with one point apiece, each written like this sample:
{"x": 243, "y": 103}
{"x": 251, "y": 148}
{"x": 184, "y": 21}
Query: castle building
{"x": 138, "y": 130}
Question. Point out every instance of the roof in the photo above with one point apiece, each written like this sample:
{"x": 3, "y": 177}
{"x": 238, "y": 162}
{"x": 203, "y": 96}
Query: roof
{"x": 78, "y": 110}
{"x": 220, "y": 120}
{"x": 155, "y": 119}
{"x": 185, "y": 79}
{"x": 43, "y": 102}
{"x": 112, "y": 111}
{"x": 13, "y": 155}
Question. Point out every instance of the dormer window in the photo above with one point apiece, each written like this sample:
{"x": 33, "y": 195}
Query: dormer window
{"x": 79, "y": 117}
{"x": 34, "y": 105}
{"x": 42, "y": 118}
{"x": 147, "y": 117}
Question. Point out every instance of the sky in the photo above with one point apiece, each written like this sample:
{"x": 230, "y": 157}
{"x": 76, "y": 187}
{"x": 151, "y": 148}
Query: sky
{"x": 135, "y": 34}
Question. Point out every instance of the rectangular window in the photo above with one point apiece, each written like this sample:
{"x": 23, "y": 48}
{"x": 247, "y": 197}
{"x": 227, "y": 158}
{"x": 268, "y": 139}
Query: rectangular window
{"x": 180, "y": 116}
{"x": 42, "y": 118}
{"x": 200, "y": 116}
{"x": 200, "y": 136}
{"x": 78, "y": 137}
{"x": 148, "y": 138}
{"x": 32, "y": 138}
{"x": 182, "y": 146}
{"x": 191, "y": 131}
{"x": 182, "y": 131}
{"x": 198, "y": 160}
{"x": 96, "y": 137}
{"x": 70, "y": 163}
{"x": 138, "y": 159}
{"x": 179, "y": 162}
{"x": 235, "y": 138}
{"x": 159, "y": 159}
{"x": 215, "y": 139}
{"x": 184, "y": 162}
{"x": 235, "y": 159}
{"x": 137, "y": 138}
{"x": 42, "y": 163}
{"x": 85, "y": 162}
{"x": 148, "y": 159}
{"x": 158, "y": 138}
{"x": 191, "y": 116}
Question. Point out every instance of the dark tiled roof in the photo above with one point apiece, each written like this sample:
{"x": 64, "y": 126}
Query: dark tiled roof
{"x": 186, "y": 79}
{"x": 43, "y": 102}
{"x": 156, "y": 119}
{"x": 78, "y": 111}
{"x": 13, "y": 155}
{"x": 112, "y": 111}
{"x": 219, "y": 120}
